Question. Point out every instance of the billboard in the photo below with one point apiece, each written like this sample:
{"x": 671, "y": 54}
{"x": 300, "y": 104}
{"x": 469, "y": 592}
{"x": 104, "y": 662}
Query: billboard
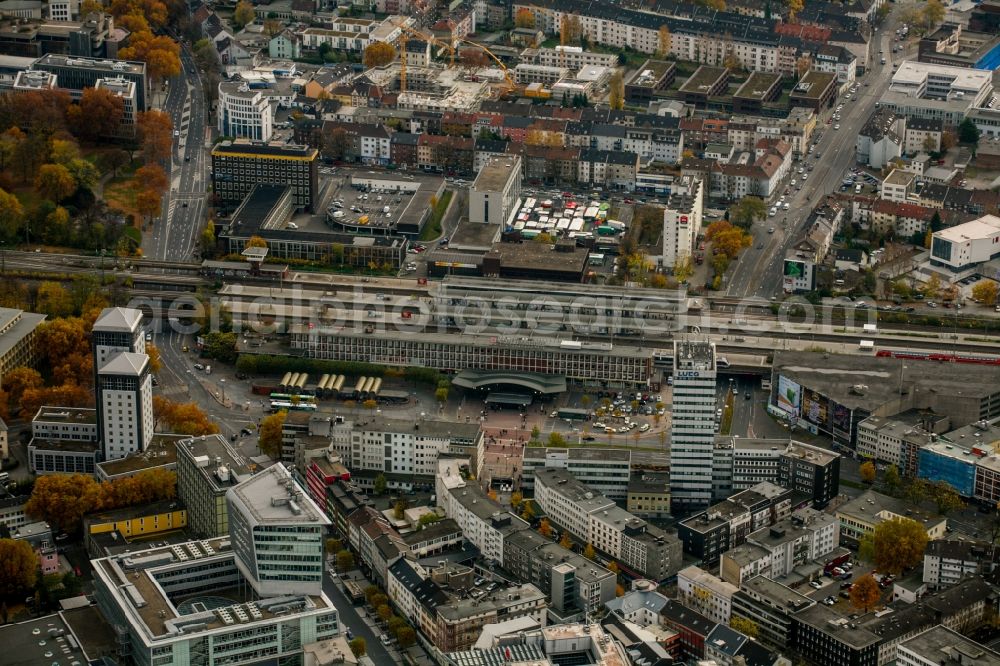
{"x": 841, "y": 419}
{"x": 789, "y": 395}
{"x": 794, "y": 269}
{"x": 815, "y": 407}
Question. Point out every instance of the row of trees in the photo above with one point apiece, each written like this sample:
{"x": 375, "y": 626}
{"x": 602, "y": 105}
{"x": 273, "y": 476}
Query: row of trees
{"x": 63, "y": 500}
{"x": 727, "y": 243}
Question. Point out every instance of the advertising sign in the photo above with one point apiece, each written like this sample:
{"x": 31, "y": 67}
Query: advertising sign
{"x": 815, "y": 408}
{"x": 794, "y": 269}
{"x": 789, "y": 395}
{"x": 841, "y": 419}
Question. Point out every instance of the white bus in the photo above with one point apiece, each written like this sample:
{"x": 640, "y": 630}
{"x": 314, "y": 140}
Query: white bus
{"x": 866, "y": 345}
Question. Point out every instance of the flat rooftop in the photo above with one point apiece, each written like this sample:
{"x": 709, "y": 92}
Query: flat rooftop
{"x": 836, "y": 375}
{"x": 945, "y": 647}
{"x": 870, "y": 504}
{"x": 758, "y": 86}
{"x": 588, "y": 454}
{"x": 494, "y": 175}
{"x": 704, "y": 79}
{"x": 541, "y": 256}
{"x": 427, "y": 427}
{"x": 813, "y": 84}
{"x": 16, "y": 325}
{"x": 257, "y": 496}
{"x": 51, "y": 414}
{"x": 836, "y": 625}
{"x": 100, "y": 64}
{"x": 650, "y": 73}
{"x": 212, "y": 451}
{"x": 262, "y": 150}
{"x": 162, "y": 451}
{"x": 24, "y": 646}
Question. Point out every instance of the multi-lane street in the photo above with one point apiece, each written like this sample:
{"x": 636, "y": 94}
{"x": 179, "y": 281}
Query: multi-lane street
{"x": 174, "y": 235}
{"x": 758, "y": 272}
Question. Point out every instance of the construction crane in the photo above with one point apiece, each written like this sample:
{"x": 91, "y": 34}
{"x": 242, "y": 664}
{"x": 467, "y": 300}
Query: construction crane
{"x": 404, "y": 36}
{"x": 503, "y": 68}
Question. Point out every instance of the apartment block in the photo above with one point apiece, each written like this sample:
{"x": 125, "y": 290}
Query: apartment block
{"x": 806, "y": 535}
{"x": 610, "y": 529}
{"x": 947, "y": 562}
{"x": 941, "y": 646}
{"x": 682, "y": 217}
{"x": 710, "y": 533}
{"x": 708, "y": 594}
{"x": 861, "y": 515}
{"x": 771, "y": 606}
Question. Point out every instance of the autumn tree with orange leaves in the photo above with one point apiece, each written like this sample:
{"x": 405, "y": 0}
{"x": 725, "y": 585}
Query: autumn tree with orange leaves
{"x": 155, "y": 135}
{"x": 182, "y": 418}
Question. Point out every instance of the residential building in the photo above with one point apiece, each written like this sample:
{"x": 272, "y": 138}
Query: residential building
{"x": 966, "y": 245}
{"x": 923, "y": 135}
{"x": 238, "y": 166}
{"x": 244, "y": 111}
{"x": 941, "y": 646}
{"x": 12, "y": 512}
{"x": 728, "y": 647}
{"x": 606, "y": 471}
{"x": 682, "y": 218}
{"x": 898, "y": 186}
{"x": 709, "y": 595}
{"x": 692, "y": 627}
{"x": 882, "y": 439}
{"x": 125, "y": 405}
{"x": 816, "y": 90}
{"x": 860, "y": 516}
{"x": 591, "y": 517}
{"x": 429, "y": 599}
{"x": 151, "y": 595}
{"x": 496, "y": 193}
{"x": 947, "y": 562}
{"x": 837, "y": 60}
{"x": 806, "y": 535}
{"x": 692, "y": 428}
{"x": 125, "y": 90}
{"x": 485, "y": 523}
{"x": 808, "y": 469}
{"x": 76, "y": 73}
{"x": 708, "y": 534}
{"x": 881, "y": 139}
{"x": 286, "y": 45}
{"x": 17, "y": 339}
{"x": 207, "y": 467}
{"x": 771, "y": 606}
{"x": 652, "y": 77}
{"x": 573, "y": 57}
{"x": 574, "y": 585}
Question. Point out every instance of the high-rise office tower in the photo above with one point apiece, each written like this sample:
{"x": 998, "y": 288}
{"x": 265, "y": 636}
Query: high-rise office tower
{"x": 692, "y": 429}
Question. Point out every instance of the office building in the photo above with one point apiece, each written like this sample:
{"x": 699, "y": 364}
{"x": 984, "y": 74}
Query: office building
{"x": 64, "y": 441}
{"x": 29, "y": 80}
{"x": 207, "y": 467}
{"x": 941, "y": 646}
{"x": 936, "y": 92}
{"x": 604, "y": 470}
{"x": 964, "y": 246}
{"x": 727, "y": 524}
{"x": 595, "y": 519}
{"x": 244, "y": 112}
{"x": 277, "y": 534}
{"x": 771, "y": 606}
{"x": 237, "y": 166}
{"x": 682, "y": 220}
{"x": 64, "y": 10}
{"x": 78, "y": 73}
{"x": 117, "y": 330}
{"x": 791, "y": 464}
{"x": 861, "y": 515}
{"x": 649, "y": 494}
{"x": 172, "y": 604}
{"x": 17, "y": 339}
{"x": 692, "y": 428}
{"x": 125, "y": 90}
{"x": 824, "y": 636}
{"x": 496, "y": 193}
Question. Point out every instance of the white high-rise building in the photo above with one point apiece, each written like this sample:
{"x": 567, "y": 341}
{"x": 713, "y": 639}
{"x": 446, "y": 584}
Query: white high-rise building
{"x": 117, "y": 330}
{"x": 682, "y": 220}
{"x": 124, "y": 405}
{"x": 277, "y": 534}
{"x": 692, "y": 430}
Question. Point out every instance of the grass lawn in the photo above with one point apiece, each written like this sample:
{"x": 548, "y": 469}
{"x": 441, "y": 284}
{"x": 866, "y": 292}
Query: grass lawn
{"x": 120, "y": 194}
{"x": 432, "y": 229}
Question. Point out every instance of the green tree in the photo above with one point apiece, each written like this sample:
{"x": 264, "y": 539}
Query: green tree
{"x": 270, "y": 438}
{"x": 891, "y": 479}
{"x": 946, "y": 499}
{"x": 745, "y": 626}
{"x": 747, "y": 211}
{"x": 441, "y": 395}
{"x": 516, "y": 498}
{"x": 406, "y": 637}
{"x": 333, "y": 545}
{"x": 207, "y": 238}
{"x": 221, "y": 346}
{"x": 968, "y": 132}
{"x": 380, "y": 484}
{"x": 867, "y": 472}
{"x": 384, "y": 613}
{"x": 55, "y": 182}
{"x": 589, "y": 552}
{"x": 528, "y": 514}
{"x": 556, "y": 440}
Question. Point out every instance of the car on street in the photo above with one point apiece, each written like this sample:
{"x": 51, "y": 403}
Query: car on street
{"x": 816, "y": 585}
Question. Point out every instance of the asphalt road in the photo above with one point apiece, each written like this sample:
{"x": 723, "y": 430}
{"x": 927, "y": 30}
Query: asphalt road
{"x": 174, "y": 235}
{"x": 758, "y": 272}
{"x": 350, "y": 618}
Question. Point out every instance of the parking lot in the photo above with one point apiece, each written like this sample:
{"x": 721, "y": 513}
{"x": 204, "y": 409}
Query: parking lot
{"x": 367, "y": 209}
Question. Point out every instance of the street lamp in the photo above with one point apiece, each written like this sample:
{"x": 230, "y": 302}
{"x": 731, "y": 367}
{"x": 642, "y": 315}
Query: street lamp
{"x": 222, "y": 385}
